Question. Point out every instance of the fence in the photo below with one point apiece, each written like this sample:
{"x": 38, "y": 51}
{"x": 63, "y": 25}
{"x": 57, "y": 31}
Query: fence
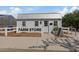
{"x": 68, "y": 30}
{"x": 11, "y": 31}
{"x": 5, "y": 30}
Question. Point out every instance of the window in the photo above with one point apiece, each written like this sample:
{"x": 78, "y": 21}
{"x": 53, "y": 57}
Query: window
{"x": 45, "y": 23}
{"x": 36, "y": 23}
{"x": 55, "y": 23}
{"x": 23, "y": 23}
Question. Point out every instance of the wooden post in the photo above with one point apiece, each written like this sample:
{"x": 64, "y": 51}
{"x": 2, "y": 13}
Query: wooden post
{"x": 75, "y": 32}
{"x": 5, "y": 31}
{"x": 71, "y": 30}
{"x": 68, "y": 30}
{"x": 42, "y": 31}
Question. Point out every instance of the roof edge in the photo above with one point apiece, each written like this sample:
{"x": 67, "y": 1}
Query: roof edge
{"x": 39, "y": 13}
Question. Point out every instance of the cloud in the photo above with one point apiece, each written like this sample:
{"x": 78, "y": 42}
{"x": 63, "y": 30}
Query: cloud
{"x": 73, "y": 9}
{"x": 15, "y": 10}
{"x": 3, "y": 12}
{"x": 30, "y": 9}
{"x": 64, "y": 11}
{"x": 67, "y": 10}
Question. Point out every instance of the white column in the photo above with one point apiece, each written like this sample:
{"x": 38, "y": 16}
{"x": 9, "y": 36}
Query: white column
{"x": 42, "y": 29}
{"x": 17, "y": 31}
{"x": 48, "y": 27}
{"x": 6, "y": 31}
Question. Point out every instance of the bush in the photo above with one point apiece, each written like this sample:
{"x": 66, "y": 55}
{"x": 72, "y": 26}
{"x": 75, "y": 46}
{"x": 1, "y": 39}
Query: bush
{"x": 55, "y": 30}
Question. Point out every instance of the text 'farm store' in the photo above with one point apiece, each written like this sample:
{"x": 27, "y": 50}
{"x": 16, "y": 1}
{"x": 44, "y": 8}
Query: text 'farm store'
{"x": 38, "y": 22}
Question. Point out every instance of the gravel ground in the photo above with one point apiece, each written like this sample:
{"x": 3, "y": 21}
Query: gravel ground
{"x": 17, "y": 43}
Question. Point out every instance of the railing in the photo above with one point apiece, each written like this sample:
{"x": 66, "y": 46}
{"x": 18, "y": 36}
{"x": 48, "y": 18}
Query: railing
{"x": 5, "y": 30}
{"x": 67, "y": 30}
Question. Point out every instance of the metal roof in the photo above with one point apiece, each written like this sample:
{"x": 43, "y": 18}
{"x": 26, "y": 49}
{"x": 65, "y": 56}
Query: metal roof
{"x": 39, "y": 16}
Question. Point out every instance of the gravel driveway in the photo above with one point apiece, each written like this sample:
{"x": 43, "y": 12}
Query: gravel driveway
{"x": 25, "y": 42}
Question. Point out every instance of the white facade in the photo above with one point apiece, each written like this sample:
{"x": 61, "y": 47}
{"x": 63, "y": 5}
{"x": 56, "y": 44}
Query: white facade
{"x": 45, "y": 22}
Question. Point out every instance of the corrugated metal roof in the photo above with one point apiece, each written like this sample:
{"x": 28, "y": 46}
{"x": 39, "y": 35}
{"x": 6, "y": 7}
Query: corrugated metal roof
{"x": 40, "y": 16}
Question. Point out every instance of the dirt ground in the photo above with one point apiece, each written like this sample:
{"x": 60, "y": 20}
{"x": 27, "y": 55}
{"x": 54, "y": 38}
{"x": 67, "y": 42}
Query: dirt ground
{"x": 23, "y": 43}
{"x": 22, "y": 34}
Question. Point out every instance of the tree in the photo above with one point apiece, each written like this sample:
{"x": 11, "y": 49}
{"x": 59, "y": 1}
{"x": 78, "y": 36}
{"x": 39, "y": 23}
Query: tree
{"x": 71, "y": 19}
{"x": 7, "y": 20}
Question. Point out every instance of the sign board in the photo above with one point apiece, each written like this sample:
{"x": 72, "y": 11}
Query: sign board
{"x": 29, "y": 29}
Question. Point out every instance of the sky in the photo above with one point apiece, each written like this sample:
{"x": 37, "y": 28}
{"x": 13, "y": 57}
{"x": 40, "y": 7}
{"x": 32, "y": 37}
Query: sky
{"x": 14, "y": 7}
{"x": 36, "y": 9}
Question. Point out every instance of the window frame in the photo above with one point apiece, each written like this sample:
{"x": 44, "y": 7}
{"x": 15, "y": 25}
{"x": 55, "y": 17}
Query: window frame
{"x": 23, "y": 23}
{"x": 45, "y": 23}
{"x": 55, "y": 23}
{"x": 36, "y": 23}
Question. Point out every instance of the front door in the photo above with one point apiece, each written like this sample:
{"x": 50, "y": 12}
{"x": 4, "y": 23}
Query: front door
{"x": 45, "y": 26}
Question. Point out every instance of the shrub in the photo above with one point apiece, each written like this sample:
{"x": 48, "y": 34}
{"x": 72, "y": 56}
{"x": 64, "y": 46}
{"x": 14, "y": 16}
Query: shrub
{"x": 55, "y": 30}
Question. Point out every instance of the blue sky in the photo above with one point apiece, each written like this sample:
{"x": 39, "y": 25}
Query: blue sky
{"x": 36, "y": 9}
{"x": 32, "y": 9}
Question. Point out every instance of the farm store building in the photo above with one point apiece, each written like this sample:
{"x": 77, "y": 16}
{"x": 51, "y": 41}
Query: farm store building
{"x": 38, "y": 22}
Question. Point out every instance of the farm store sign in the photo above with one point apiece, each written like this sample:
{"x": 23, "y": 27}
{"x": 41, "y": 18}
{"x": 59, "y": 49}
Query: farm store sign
{"x": 29, "y": 29}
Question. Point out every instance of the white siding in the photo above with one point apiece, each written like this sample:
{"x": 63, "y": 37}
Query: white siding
{"x": 31, "y": 18}
{"x": 59, "y": 23}
{"x": 51, "y": 26}
{"x": 44, "y": 28}
{"x": 31, "y": 24}
{"x": 19, "y": 23}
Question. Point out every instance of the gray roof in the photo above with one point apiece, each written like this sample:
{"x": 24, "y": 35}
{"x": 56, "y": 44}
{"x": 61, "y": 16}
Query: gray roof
{"x": 32, "y": 16}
